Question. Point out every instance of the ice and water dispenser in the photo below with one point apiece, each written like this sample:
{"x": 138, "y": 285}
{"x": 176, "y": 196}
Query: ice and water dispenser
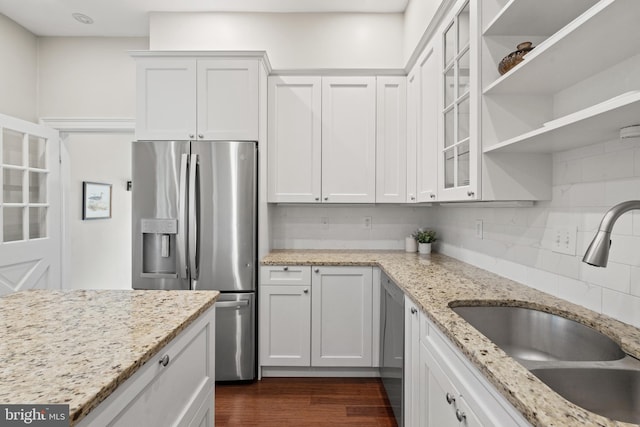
{"x": 159, "y": 248}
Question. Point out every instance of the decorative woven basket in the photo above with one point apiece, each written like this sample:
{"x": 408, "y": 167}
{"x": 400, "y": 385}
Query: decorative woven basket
{"x": 514, "y": 58}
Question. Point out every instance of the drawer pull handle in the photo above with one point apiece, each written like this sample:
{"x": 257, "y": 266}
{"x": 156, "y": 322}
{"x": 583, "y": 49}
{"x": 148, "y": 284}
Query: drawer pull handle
{"x": 165, "y": 360}
{"x": 413, "y": 310}
{"x": 461, "y": 416}
{"x": 286, "y": 269}
{"x": 317, "y": 270}
{"x": 450, "y": 398}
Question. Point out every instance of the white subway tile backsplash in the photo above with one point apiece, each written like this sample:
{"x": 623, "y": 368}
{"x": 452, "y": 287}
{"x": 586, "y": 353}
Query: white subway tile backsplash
{"x": 616, "y": 276}
{"x": 621, "y": 190}
{"x": 621, "y": 306}
{"x": 615, "y": 165}
{"x": 576, "y": 291}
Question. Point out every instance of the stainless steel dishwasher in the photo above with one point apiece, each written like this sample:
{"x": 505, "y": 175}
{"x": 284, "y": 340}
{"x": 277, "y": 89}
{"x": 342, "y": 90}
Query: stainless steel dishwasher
{"x": 392, "y": 344}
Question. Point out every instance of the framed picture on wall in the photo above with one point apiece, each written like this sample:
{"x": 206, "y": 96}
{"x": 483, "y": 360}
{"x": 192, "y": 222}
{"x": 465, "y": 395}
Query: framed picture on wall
{"x": 96, "y": 200}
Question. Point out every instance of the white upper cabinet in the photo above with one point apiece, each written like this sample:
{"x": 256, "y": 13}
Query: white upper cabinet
{"x": 458, "y": 141}
{"x": 228, "y": 99}
{"x": 391, "y": 141}
{"x": 348, "y": 139}
{"x": 322, "y": 139}
{"x": 185, "y": 98}
{"x": 165, "y": 104}
{"x": 428, "y": 89}
{"x": 295, "y": 105}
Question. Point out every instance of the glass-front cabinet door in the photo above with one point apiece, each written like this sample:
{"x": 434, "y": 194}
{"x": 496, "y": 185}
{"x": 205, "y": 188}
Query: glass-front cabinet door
{"x": 458, "y": 144}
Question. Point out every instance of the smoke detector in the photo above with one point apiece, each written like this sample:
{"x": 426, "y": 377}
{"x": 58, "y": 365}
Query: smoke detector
{"x": 82, "y": 18}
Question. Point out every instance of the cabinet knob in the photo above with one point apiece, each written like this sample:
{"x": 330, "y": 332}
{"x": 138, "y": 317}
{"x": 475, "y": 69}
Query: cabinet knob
{"x": 461, "y": 416}
{"x": 306, "y": 291}
{"x": 164, "y": 361}
{"x": 470, "y": 193}
{"x": 317, "y": 270}
{"x": 450, "y": 398}
{"x": 413, "y": 197}
{"x": 413, "y": 310}
{"x": 201, "y": 136}
{"x": 317, "y": 199}
{"x": 191, "y": 136}
{"x": 326, "y": 198}
{"x": 286, "y": 269}
{"x": 433, "y": 196}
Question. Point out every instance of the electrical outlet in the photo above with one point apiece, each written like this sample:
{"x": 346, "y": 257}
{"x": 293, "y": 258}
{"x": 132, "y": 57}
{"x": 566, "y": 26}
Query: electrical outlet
{"x": 564, "y": 240}
{"x": 479, "y": 228}
{"x": 367, "y": 222}
{"x": 325, "y": 222}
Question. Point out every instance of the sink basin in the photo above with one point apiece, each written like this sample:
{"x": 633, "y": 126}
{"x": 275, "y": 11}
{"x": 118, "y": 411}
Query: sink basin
{"x": 534, "y": 335}
{"x": 613, "y": 393}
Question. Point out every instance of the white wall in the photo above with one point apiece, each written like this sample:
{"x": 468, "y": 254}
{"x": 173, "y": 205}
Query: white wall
{"x": 292, "y": 40}
{"x": 100, "y": 249}
{"x": 87, "y": 76}
{"x": 18, "y": 73}
{"x": 517, "y": 241}
{"x": 417, "y": 17}
{"x": 303, "y": 227}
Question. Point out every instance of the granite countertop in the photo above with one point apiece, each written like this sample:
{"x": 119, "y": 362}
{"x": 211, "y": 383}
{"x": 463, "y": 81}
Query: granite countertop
{"x": 436, "y": 283}
{"x": 75, "y": 347}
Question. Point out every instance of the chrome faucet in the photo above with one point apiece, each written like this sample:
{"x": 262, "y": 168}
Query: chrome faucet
{"x": 597, "y": 253}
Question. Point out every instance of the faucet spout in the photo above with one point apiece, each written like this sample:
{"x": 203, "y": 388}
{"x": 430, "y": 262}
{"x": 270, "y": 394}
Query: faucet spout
{"x": 598, "y": 252}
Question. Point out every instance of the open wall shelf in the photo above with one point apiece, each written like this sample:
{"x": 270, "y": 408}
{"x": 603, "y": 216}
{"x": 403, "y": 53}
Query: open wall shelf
{"x": 597, "y": 123}
{"x": 535, "y": 18}
{"x": 605, "y": 34}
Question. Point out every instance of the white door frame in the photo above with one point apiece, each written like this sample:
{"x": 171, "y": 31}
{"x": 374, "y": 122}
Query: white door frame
{"x": 66, "y": 126}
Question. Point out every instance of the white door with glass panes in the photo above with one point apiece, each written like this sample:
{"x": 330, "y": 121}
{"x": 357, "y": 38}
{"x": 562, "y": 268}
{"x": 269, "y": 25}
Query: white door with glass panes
{"x": 458, "y": 135}
{"x": 30, "y": 246}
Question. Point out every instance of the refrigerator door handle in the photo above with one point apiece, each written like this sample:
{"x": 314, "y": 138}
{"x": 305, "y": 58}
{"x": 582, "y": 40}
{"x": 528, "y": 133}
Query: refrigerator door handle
{"x": 194, "y": 216}
{"x": 232, "y": 304}
{"x": 182, "y": 221}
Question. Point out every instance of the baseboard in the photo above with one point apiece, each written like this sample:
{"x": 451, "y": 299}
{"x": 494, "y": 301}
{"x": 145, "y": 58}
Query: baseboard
{"x": 297, "y": 371}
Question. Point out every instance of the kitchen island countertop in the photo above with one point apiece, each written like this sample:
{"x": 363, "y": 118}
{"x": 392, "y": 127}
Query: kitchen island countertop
{"x": 76, "y": 347}
{"x": 436, "y": 283}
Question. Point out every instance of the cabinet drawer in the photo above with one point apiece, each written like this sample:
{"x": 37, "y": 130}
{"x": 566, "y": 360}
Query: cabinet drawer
{"x": 285, "y": 275}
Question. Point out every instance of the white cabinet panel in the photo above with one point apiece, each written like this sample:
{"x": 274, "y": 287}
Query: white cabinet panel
{"x": 391, "y": 141}
{"x": 348, "y": 139}
{"x": 413, "y": 118}
{"x": 285, "y": 328}
{"x": 166, "y": 93}
{"x": 341, "y": 316}
{"x": 295, "y": 107}
{"x": 228, "y": 99}
{"x": 428, "y": 78}
{"x": 412, "y": 403}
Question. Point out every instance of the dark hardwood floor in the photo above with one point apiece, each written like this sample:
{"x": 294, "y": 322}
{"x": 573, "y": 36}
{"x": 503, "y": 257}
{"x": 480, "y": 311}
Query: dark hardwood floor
{"x": 289, "y": 402}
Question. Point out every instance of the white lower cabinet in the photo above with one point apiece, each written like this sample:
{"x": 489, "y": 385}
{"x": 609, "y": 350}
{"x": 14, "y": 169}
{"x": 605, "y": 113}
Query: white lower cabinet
{"x": 285, "y": 325}
{"x": 174, "y": 388}
{"x": 451, "y": 391}
{"x": 316, "y": 316}
{"x": 341, "y": 316}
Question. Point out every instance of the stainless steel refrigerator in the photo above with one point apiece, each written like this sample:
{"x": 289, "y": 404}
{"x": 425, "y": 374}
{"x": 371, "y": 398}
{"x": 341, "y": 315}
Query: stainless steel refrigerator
{"x": 195, "y": 227}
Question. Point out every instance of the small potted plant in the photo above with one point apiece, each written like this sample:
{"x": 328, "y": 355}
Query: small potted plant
{"x": 424, "y": 239}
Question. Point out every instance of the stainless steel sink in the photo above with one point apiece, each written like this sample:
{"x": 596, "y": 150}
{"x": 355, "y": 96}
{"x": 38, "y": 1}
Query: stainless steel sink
{"x": 613, "y": 393}
{"x": 533, "y": 335}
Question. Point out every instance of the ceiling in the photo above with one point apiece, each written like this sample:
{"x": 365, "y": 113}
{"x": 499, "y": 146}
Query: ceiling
{"x": 115, "y": 18}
